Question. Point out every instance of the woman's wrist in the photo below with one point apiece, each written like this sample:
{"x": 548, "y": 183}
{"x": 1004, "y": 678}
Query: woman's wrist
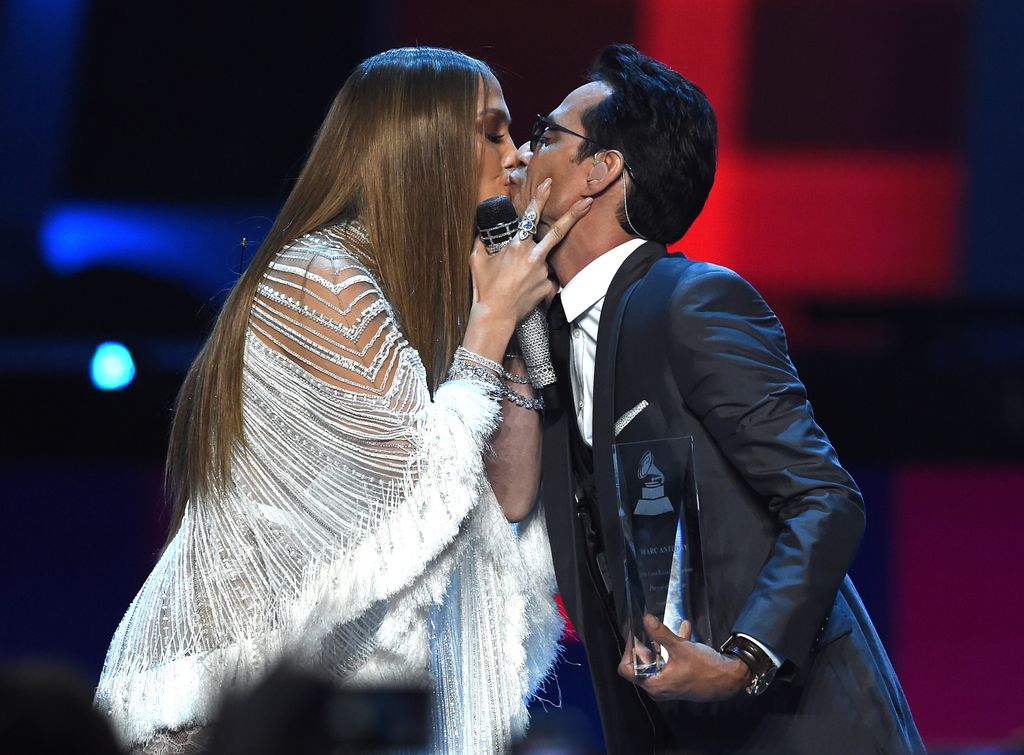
{"x": 513, "y": 352}
{"x": 488, "y": 332}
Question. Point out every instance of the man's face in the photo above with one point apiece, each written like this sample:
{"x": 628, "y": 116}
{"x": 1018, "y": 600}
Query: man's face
{"x": 555, "y": 157}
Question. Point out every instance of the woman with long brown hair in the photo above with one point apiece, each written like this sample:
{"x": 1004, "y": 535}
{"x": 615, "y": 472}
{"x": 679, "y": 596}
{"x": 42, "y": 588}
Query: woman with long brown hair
{"x": 330, "y": 492}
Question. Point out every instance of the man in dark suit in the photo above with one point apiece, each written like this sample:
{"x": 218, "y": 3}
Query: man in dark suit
{"x": 654, "y": 346}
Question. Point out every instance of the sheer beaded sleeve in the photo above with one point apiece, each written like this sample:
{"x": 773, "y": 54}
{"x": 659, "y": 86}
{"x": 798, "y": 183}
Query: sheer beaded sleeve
{"x": 324, "y": 311}
{"x": 357, "y": 532}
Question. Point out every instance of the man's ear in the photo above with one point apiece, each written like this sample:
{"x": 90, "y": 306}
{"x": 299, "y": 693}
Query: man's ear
{"x": 607, "y": 167}
{"x": 597, "y": 173}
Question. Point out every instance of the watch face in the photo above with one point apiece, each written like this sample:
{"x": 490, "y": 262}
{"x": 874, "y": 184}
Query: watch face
{"x": 762, "y": 681}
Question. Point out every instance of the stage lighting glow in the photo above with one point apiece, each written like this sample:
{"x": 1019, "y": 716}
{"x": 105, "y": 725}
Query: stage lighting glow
{"x": 196, "y": 246}
{"x": 112, "y": 366}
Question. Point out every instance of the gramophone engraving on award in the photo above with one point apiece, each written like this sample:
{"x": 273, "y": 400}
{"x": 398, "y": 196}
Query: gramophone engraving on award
{"x": 659, "y": 511}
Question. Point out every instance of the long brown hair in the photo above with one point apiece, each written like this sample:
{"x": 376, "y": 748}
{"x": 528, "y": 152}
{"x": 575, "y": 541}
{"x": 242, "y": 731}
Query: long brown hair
{"x": 397, "y": 152}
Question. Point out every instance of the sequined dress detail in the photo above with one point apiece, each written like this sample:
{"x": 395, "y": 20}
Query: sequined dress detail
{"x": 359, "y": 536}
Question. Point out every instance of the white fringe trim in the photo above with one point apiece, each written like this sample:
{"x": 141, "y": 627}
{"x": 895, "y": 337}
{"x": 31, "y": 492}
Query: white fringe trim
{"x": 184, "y": 693}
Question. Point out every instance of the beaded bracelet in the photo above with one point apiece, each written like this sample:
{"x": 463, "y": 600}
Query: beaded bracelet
{"x": 537, "y": 404}
{"x": 511, "y": 376}
{"x": 461, "y": 370}
{"x": 467, "y": 365}
{"x": 514, "y": 378}
{"x": 465, "y": 354}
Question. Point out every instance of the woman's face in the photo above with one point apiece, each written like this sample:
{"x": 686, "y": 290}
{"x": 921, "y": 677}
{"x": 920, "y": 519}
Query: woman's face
{"x": 496, "y": 153}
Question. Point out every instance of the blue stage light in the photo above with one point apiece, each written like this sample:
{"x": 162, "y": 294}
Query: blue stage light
{"x": 197, "y": 246}
{"x": 112, "y": 366}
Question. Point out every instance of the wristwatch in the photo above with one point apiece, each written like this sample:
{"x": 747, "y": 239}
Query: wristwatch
{"x": 762, "y": 668}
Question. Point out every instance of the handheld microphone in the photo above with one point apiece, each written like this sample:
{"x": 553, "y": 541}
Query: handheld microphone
{"x": 497, "y": 221}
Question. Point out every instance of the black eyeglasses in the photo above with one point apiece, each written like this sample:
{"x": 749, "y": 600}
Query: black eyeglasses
{"x": 544, "y": 124}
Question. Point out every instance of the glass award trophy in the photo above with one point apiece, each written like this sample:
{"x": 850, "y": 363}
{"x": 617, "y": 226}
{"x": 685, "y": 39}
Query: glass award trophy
{"x": 659, "y": 511}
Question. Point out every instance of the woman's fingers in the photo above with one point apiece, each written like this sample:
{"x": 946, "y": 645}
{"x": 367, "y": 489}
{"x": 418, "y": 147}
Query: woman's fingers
{"x": 518, "y": 275}
{"x": 540, "y": 198}
{"x": 561, "y": 227}
{"x": 478, "y": 253}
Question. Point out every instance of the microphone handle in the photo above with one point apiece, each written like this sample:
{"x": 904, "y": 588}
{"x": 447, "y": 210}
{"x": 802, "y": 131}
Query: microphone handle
{"x": 535, "y": 344}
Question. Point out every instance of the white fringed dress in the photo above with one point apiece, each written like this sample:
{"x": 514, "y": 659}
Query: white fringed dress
{"x": 359, "y": 537}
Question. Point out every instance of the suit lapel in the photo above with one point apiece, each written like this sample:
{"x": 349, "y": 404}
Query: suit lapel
{"x": 631, "y": 271}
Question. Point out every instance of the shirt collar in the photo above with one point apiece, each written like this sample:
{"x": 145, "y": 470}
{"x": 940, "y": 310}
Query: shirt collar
{"x": 591, "y": 283}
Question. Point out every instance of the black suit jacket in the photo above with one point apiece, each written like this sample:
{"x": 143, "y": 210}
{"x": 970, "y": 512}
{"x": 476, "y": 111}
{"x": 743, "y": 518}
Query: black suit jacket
{"x": 780, "y": 518}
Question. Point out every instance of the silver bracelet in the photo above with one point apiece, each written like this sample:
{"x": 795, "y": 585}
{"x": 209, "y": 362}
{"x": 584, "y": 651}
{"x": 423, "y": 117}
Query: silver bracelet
{"x": 511, "y": 376}
{"x": 514, "y": 378}
{"x": 536, "y": 404}
{"x": 463, "y": 353}
{"x": 461, "y": 370}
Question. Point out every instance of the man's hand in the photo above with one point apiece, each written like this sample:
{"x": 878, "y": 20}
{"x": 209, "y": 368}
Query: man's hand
{"x": 693, "y": 672}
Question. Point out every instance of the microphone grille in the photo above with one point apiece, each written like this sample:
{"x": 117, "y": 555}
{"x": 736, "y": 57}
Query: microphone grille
{"x": 495, "y": 211}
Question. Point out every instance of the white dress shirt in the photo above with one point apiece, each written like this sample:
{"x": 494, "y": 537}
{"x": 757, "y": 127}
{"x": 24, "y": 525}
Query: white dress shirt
{"x": 582, "y": 299}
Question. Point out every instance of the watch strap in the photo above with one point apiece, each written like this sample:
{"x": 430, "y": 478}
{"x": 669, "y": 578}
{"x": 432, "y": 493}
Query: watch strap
{"x": 762, "y": 667}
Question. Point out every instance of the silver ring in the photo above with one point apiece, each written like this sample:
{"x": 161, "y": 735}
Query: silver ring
{"x": 528, "y": 224}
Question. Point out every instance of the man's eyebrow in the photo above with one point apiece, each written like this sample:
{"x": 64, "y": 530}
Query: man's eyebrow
{"x": 498, "y": 112}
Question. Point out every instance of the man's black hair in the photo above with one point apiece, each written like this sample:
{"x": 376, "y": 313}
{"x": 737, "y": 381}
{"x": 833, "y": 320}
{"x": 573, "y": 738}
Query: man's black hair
{"x": 665, "y": 128}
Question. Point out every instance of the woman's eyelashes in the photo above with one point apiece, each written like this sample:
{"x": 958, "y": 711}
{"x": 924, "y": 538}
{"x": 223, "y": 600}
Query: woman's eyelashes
{"x": 497, "y": 138}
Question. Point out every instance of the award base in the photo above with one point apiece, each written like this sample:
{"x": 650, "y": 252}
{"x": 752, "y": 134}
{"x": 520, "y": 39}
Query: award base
{"x": 648, "y": 657}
